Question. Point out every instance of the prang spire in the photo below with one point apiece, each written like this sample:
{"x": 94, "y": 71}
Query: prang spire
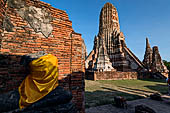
{"x": 157, "y": 63}
{"x": 148, "y": 55}
{"x": 109, "y": 22}
{"x": 147, "y": 44}
{"x": 108, "y": 19}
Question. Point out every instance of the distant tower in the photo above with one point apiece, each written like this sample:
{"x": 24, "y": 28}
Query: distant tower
{"x": 148, "y": 55}
{"x": 157, "y": 63}
{"x": 153, "y": 61}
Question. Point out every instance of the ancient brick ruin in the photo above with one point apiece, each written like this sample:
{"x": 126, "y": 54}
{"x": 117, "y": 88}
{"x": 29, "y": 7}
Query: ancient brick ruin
{"x": 31, "y": 26}
{"x": 153, "y": 61}
{"x": 111, "y": 56}
{"x": 110, "y": 52}
{"x": 148, "y": 55}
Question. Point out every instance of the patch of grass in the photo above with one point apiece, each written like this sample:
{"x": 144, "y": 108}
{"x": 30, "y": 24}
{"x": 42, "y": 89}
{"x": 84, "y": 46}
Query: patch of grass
{"x": 154, "y": 80}
{"x": 103, "y": 92}
{"x": 129, "y": 97}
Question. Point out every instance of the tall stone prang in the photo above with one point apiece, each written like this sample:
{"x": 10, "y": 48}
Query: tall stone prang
{"x": 153, "y": 61}
{"x": 110, "y": 51}
{"x": 148, "y": 55}
{"x": 157, "y": 63}
{"x": 108, "y": 23}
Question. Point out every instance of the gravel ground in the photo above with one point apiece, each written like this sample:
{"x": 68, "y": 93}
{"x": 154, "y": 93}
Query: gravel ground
{"x": 157, "y": 106}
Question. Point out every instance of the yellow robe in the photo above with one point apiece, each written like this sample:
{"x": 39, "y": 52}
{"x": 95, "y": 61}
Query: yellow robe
{"x": 43, "y": 78}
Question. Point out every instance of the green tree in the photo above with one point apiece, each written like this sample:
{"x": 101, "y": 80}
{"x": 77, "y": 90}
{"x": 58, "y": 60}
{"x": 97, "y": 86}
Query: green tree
{"x": 167, "y": 64}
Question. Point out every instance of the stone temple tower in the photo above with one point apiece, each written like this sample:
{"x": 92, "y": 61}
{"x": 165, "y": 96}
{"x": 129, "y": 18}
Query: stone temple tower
{"x": 108, "y": 22}
{"x": 148, "y": 55}
{"x": 110, "y": 51}
{"x": 153, "y": 61}
{"x": 157, "y": 63}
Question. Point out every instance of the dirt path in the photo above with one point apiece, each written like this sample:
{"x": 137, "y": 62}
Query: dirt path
{"x": 158, "y": 106}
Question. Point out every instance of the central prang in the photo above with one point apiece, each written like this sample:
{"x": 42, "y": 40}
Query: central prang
{"x": 110, "y": 53}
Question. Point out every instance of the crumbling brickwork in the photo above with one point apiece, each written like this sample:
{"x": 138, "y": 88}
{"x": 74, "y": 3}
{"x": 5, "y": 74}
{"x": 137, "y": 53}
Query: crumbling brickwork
{"x": 2, "y": 13}
{"x": 112, "y": 75}
{"x": 21, "y": 34}
{"x": 153, "y": 61}
{"x": 148, "y": 55}
{"x": 157, "y": 63}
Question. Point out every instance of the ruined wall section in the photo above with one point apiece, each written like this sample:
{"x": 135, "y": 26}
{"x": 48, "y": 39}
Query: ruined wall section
{"x": 23, "y": 38}
{"x": 115, "y": 75}
{"x": 2, "y": 14}
{"x": 84, "y": 55}
{"x": 76, "y": 50}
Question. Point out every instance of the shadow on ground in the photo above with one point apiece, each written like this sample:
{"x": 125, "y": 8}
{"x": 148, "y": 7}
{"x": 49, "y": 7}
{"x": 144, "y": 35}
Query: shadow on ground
{"x": 154, "y": 80}
{"x": 98, "y": 97}
{"x": 106, "y": 95}
{"x": 163, "y": 89}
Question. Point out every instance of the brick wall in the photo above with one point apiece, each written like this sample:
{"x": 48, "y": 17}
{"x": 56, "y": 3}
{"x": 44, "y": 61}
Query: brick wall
{"x": 2, "y": 13}
{"x": 111, "y": 75}
{"x": 18, "y": 37}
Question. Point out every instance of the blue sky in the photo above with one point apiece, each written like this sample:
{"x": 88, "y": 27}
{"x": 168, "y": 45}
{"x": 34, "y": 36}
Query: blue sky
{"x": 138, "y": 19}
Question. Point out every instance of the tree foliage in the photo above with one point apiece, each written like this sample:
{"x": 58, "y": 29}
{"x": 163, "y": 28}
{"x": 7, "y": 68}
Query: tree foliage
{"x": 167, "y": 64}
